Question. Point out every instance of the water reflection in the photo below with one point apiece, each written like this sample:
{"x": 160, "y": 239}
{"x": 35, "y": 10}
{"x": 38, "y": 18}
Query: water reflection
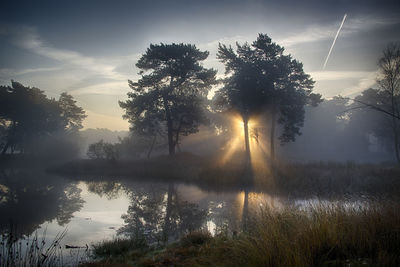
{"x": 158, "y": 212}
{"x": 163, "y": 212}
{"x": 109, "y": 189}
{"x": 29, "y": 199}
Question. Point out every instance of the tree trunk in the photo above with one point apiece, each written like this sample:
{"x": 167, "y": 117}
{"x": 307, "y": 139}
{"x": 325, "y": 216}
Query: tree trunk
{"x": 396, "y": 139}
{"x": 394, "y": 122}
{"x": 5, "y": 148}
{"x": 171, "y": 144}
{"x": 246, "y": 140}
{"x": 272, "y": 135}
{"x": 151, "y": 147}
{"x": 9, "y": 143}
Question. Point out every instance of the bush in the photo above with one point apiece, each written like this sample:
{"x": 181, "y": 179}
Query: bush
{"x": 102, "y": 150}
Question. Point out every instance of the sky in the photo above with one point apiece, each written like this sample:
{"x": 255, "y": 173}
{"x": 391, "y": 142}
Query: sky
{"x": 89, "y": 48}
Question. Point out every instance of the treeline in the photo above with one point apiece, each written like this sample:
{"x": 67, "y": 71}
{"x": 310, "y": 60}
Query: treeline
{"x": 33, "y": 124}
{"x": 170, "y": 103}
{"x": 264, "y": 84}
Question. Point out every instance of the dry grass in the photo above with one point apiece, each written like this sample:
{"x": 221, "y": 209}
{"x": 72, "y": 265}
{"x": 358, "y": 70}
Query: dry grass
{"x": 323, "y": 235}
{"x": 333, "y": 235}
{"x": 15, "y": 251}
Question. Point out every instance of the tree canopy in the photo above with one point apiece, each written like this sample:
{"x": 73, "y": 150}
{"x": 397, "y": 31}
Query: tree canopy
{"x": 171, "y": 95}
{"x": 27, "y": 114}
{"x": 262, "y": 78}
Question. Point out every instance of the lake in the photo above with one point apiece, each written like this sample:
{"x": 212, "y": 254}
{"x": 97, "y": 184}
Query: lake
{"x": 91, "y": 210}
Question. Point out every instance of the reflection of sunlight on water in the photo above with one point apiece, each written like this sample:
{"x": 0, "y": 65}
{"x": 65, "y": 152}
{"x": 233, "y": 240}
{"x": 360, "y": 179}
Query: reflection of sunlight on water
{"x": 316, "y": 203}
{"x": 98, "y": 219}
{"x": 211, "y": 227}
{"x": 258, "y": 201}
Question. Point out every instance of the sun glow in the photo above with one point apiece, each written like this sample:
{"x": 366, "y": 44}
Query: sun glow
{"x": 259, "y": 150}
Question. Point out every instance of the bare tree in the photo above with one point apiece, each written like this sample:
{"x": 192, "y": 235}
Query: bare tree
{"x": 389, "y": 82}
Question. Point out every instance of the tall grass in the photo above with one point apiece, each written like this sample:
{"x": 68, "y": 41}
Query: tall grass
{"x": 32, "y": 251}
{"x": 320, "y": 235}
{"x": 323, "y": 235}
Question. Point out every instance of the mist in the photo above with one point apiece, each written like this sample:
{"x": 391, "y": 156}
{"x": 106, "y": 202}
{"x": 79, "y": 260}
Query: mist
{"x": 200, "y": 134}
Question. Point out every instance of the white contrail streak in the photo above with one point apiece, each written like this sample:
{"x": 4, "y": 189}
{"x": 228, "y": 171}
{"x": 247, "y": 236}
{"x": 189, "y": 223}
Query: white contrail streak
{"x": 334, "y": 41}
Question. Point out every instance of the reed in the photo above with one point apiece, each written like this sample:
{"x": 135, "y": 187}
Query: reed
{"x": 34, "y": 251}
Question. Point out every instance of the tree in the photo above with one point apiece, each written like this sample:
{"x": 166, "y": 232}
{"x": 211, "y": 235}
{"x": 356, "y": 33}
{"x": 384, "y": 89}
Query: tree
{"x": 386, "y": 99}
{"x": 26, "y": 115}
{"x": 103, "y": 150}
{"x": 72, "y": 114}
{"x": 171, "y": 93}
{"x": 367, "y": 120}
{"x": 261, "y": 79}
{"x": 389, "y": 84}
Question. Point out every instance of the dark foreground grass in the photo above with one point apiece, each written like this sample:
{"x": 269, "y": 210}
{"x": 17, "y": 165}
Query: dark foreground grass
{"x": 15, "y": 251}
{"x": 334, "y": 235}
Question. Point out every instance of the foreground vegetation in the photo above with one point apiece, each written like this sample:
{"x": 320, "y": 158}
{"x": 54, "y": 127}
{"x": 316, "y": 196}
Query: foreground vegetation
{"x": 32, "y": 251}
{"x": 333, "y": 235}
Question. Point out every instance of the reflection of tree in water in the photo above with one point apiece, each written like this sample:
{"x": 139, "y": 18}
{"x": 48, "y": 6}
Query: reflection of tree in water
{"x": 235, "y": 211}
{"x": 225, "y": 211}
{"x": 29, "y": 199}
{"x": 158, "y": 212}
{"x": 111, "y": 190}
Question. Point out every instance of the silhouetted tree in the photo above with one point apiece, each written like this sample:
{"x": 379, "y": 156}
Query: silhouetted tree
{"x": 171, "y": 93}
{"x": 72, "y": 114}
{"x": 366, "y": 115}
{"x": 27, "y": 114}
{"x": 385, "y": 100}
{"x": 389, "y": 84}
{"x": 103, "y": 150}
{"x": 264, "y": 79}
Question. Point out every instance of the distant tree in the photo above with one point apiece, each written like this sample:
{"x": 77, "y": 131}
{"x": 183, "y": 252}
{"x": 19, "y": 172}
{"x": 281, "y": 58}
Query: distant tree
{"x": 96, "y": 150}
{"x": 111, "y": 151}
{"x": 72, "y": 114}
{"x": 385, "y": 100}
{"x": 366, "y": 114}
{"x": 103, "y": 150}
{"x": 171, "y": 93}
{"x": 26, "y": 114}
{"x": 262, "y": 79}
{"x": 389, "y": 84}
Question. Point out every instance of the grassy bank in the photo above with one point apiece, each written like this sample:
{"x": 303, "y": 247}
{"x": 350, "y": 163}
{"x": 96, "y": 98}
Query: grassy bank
{"x": 332, "y": 235}
{"x": 294, "y": 179}
{"x": 181, "y": 167}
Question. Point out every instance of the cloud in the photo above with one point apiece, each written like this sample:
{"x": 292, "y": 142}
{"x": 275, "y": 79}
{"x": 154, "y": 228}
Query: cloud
{"x": 318, "y": 32}
{"x": 368, "y": 81}
{"x": 12, "y": 73}
{"x": 340, "y": 75}
{"x": 28, "y": 38}
{"x": 105, "y": 88}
